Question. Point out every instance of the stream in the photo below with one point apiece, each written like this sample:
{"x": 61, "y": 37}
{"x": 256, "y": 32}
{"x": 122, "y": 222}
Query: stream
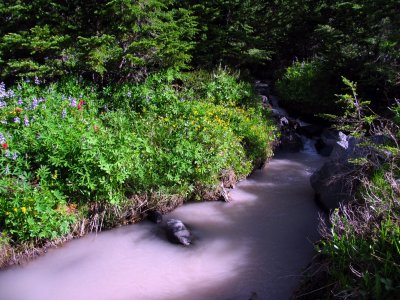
{"x": 253, "y": 247}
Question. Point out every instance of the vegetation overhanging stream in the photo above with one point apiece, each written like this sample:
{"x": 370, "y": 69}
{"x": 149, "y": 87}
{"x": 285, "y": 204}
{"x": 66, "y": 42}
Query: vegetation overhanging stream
{"x": 257, "y": 244}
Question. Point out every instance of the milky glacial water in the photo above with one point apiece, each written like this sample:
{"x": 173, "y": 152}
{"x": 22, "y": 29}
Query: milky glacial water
{"x": 255, "y": 246}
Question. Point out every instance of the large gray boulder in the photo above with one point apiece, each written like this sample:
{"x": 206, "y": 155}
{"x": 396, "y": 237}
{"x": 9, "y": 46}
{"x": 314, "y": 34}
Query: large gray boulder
{"x": 177, "y": 232}
{"x": 331, "y": 136}
{"x": 336, "y": 181}
{"x": 331, "y": 140}
{"x": 346, "y": 147}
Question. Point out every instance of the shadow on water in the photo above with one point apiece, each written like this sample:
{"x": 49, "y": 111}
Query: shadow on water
{"x": 255, "y": 245}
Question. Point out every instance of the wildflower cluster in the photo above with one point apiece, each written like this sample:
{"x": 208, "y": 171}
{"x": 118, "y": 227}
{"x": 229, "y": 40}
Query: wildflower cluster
{"x": 62, "y": 145}
{"x": 4, "y": 93}
{"x": 27, "y": 120}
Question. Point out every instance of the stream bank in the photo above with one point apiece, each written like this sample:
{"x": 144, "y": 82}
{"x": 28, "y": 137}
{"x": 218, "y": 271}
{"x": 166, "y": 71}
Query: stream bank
{"x": 256, "y": 245}
{"x": 253, "y": 247}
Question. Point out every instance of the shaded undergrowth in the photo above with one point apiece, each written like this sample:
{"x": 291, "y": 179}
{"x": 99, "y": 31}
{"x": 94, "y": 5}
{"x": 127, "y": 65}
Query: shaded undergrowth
{"x": 359, "y": 252}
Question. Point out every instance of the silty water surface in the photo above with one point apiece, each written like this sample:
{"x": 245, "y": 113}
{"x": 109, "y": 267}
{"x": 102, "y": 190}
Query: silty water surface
{"x": 255, "y": 246}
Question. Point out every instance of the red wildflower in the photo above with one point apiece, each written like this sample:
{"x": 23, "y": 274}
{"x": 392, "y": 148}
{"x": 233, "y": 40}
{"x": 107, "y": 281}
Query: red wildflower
{"x": 80, "y": 105}
{"x": 4, "y": 146}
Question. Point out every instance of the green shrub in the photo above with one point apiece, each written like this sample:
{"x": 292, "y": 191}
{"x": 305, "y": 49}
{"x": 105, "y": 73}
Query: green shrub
{"x": 396, "y": 110}
{"x": 203, "y": 115}
{"x": 31, "y": 212}
{"x": 306, "y": 88}
{"x": 221, "y": 87}
{"x": 68, "y": 149}
{"x": 191, "y": 147}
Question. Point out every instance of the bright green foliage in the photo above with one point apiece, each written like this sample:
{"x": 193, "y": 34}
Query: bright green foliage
{"x": 215, "y": 121}
{"x": 62, "y": 147}
{"x": 30, "y": 212}
{"x": 238, "y": 106}
{"x": 396, "y": 110}
{"x": 218, "y": 87}
{"x": 357, "y": 117}
{"x": 99, "y": 39}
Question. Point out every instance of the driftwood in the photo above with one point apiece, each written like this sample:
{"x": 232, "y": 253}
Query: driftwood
{"x": 225, "y": 194}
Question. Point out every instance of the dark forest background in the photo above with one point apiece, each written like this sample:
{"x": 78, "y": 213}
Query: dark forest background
{"x": 124, "y": 40}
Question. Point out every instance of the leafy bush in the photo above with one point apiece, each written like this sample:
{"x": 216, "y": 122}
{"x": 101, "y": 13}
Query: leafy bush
{"x": 305, "y": 88}
{"x": 32, "y": 212}
{"x": 66, "y": 149}
{"x": 396, "y": 110}
{"x": 221, "y": 87}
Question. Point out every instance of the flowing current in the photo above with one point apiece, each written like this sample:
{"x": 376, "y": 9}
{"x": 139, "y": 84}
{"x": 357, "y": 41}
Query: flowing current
{"x": 253, "y": 247}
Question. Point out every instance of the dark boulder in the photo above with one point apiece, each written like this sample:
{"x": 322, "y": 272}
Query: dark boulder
{"x": 154, "y": 216}
{"x": 327, "y": 141}
{"x": 262, "y": 88}
{"x": 346, "y": 147}
{"x": 351, "y": 158}
{"x": 335, "y": 183}
{"x": 310, "y": 131}
{"x": 331, "y": 136}
{"x": 177, "y": 232}
{"x": 322, "y": 148}
{"x": 290, "y": 141}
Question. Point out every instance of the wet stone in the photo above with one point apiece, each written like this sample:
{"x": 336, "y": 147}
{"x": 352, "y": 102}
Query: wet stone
{"x": 177, "y": 232}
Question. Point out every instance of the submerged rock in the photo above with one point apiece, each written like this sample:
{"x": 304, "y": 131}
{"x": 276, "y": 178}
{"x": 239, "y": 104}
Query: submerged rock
{"x": 290, "y": 141}
{"x": 154, "y": 216}
{"x": 177, "y": 232}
